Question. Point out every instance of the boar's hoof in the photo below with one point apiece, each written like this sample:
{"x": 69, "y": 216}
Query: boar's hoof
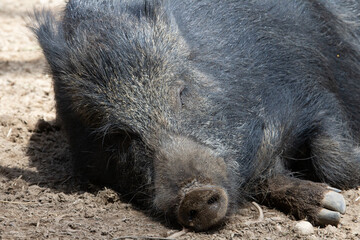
{"x": 203, "y": 207}
{"x": 333, "y": 204}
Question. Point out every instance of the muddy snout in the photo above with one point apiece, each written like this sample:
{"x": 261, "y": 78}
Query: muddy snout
{"x": 203, "y": 207}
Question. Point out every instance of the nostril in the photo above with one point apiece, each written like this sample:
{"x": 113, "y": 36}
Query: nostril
{"x": 203, "y": 207}
{"x": 213, "y": 199}
{"x": 192, "y": 214}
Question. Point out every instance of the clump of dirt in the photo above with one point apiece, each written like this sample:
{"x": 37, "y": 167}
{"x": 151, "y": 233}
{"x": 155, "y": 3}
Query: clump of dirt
{"x": 40, "y": 197}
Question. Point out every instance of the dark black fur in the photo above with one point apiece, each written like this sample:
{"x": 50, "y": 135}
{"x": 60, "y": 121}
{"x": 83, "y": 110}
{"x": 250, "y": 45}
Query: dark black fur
{"x": 271, "y": 88}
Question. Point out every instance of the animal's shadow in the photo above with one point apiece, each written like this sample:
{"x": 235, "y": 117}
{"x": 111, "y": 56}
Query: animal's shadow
{"x": 49, "y": 153}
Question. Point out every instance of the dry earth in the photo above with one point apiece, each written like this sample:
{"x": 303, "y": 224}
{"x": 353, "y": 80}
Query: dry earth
{"x": 39, "y": 197}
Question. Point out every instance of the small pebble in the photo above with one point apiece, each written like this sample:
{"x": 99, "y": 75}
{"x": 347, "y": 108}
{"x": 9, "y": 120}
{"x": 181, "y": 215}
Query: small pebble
{"x": 279, "y": 228}
{"x": 304, "y": 228}
{"x": 331, "y": 229}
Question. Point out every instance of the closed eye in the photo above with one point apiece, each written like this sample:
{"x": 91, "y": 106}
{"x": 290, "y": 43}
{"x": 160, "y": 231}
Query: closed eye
{"x": 182, "y": 95}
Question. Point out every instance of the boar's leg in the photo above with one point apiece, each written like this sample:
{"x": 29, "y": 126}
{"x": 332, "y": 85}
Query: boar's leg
{"x": 336, "y": 157}
{"x": 317, "y": 202}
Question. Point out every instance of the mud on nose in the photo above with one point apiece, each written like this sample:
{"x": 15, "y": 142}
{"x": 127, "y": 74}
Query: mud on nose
{"x": 203, "y": 207}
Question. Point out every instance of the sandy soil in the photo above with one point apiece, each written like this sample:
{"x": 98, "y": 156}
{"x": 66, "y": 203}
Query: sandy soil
{"x": 39, "y": 197}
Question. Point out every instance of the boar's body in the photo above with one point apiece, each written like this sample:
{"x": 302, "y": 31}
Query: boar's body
{"x": 197, "y": 106}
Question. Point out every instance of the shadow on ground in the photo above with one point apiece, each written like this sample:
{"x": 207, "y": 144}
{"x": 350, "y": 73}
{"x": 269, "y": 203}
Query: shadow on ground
{"x": 49, "y": 154}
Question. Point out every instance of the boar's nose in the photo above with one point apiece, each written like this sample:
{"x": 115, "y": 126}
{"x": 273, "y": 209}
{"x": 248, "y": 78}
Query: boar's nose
{"x": 203, "y": 207}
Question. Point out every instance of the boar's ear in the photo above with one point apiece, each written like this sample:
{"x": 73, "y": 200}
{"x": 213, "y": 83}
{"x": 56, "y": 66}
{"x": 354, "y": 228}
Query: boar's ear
{"x": 154, "y": 10}
{"x": 151, "y": 8}
{"x": 49, "y": 33}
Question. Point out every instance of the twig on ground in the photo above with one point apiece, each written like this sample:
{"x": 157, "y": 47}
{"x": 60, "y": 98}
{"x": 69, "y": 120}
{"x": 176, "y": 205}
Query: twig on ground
{"x": 2, "y": 201}
{"x": 178, "y": 234}
{"x": 260, "y": 217}
{"x": 261, "y": 214}
{"x": 142, "y": 238}
{"x": 9, "y": 133}
{"x": 171, "y": 237}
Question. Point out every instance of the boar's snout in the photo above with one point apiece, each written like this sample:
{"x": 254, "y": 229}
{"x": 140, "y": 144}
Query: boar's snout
{"x": 190, "y": 183}
{"x": 203, "y": 207}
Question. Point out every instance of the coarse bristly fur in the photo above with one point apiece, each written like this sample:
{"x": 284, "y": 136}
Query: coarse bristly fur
{"x": 167, "y": 99}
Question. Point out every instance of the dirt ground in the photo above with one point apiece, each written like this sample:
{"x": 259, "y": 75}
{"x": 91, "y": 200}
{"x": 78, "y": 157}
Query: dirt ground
{"x": 39, "y": 197}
